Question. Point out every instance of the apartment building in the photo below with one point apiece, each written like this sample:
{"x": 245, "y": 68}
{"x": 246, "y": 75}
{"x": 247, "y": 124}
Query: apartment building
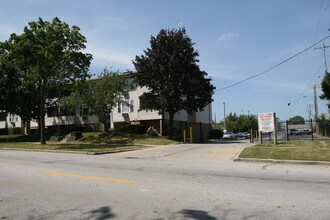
{"x": 127, "y": 111}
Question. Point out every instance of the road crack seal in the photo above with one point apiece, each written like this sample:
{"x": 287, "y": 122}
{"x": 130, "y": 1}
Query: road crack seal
{"x": 264, "y": 167}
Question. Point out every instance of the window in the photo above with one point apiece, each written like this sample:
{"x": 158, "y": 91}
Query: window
{"x": 119, "y": 107}
{"x": 13, "y": 117}
{"x": 83, "y": 110}
{"x": 52, "y": 111}
{"x": 3, "y": 116}
{"x": 131, "y": 106}
{"x": 126, "y": 106}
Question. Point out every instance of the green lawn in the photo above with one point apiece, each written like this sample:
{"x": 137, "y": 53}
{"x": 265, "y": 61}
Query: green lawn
{"x": 291, "y": 150}
{"x": 89, "y": 143}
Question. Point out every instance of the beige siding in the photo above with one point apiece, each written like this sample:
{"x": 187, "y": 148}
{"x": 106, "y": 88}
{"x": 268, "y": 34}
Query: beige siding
{"x": 205, "y": 116}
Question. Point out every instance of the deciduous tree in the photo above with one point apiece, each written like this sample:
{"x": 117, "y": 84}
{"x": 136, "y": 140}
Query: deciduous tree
{"x": 169, "y": 69}
{"x": 100, "y": 95}
{"x": 297, "y": 119}
{"x": 325, "y": 85}
{"x": 46, "y": 56}
{"x": 241, "y": 123}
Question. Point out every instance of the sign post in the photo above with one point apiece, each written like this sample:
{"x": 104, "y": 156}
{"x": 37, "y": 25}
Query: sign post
{"x": 266, "y": 123}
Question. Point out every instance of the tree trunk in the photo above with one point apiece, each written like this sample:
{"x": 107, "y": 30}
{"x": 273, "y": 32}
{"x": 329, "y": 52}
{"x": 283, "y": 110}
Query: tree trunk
{"x": 170, "y": 132}
{"x": 42, "y": 115}
{"x": 104, "y": 120}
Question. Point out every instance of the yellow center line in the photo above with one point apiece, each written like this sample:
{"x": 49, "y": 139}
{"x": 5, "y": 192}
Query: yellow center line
{"x": 87, "y": 177}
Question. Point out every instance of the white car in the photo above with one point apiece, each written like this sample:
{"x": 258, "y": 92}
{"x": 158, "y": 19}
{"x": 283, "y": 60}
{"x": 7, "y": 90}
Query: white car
{"x": 228, "y": 135}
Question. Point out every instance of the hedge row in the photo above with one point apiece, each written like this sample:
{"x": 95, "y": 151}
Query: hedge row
{"x": 130, "y": 128}
{"x": 10, "y": 131}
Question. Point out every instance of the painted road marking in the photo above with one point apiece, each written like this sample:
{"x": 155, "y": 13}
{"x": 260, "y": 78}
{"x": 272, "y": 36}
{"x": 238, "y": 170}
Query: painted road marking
{"x": 87, "y": 177}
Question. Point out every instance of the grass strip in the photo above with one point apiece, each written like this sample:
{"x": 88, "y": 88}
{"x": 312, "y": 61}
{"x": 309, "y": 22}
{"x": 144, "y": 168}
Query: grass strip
{"x": 94, "y": 148}
{"x": 291, "y": 150}
{"x": 89, "y": 143}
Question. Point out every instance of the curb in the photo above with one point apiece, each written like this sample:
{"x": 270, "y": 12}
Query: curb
{"x": 47, "y": 151}
{"x": 303, "y": 162}
{"x": 69, "y": 152}
{"x": 236, "y": 158}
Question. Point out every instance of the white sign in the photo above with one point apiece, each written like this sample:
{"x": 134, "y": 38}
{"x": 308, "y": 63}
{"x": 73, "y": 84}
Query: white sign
{"x": 266, "y": 122}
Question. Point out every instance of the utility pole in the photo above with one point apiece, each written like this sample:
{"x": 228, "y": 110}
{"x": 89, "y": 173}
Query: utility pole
{"x": 326, "y": 71}
{"x": 315, "y": 103}
{"x": 316, "y": 111}
{"x": 309, "y": 109}
{"x": 324, "y": 55}
{"x": 224, "y": 115}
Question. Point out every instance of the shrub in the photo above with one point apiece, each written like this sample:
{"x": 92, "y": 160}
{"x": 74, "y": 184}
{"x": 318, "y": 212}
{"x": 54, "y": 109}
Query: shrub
{"x": 215, "y": 134}
{"x": 34, "y": 131}
{"x": 12, "y": 131}
{"x": 3, "y": 131}
{"x": 152, "y": 132}
{"x": 89, "y": 138}
{"x": 135, "y": 129}
{"x": 129, "y": 128}
{"x": 104, "y": 135}
{"x": 111, "y": 131}
{"x": 76, "y": 134}
{"x": 119, "y": 126}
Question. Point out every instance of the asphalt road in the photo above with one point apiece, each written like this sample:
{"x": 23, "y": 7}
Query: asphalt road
{"x": 173, "y": 182}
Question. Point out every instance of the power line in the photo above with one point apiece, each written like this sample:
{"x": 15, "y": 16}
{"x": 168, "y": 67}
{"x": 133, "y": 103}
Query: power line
{"x": 273, "y": 67}
{"x": 299, "y": 97}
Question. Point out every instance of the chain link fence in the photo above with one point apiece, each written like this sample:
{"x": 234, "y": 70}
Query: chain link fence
{"x": 309, "y": 130}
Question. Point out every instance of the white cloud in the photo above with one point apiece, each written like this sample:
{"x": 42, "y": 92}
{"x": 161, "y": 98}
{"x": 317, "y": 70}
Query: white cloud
{"x": 227, "y": 35}
{"x": 117, "y": 57}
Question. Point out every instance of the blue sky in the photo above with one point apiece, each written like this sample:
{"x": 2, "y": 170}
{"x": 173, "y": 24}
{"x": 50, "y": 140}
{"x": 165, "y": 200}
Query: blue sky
{"x": 235, "y": 39}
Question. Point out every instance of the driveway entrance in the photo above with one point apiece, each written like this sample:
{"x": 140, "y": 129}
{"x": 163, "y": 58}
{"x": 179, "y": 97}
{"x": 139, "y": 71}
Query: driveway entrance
{"x": 212, "y": 152}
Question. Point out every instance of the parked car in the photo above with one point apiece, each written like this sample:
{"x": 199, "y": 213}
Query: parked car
{"x": 305, "y": 131}
{"x": 293, "y": 131}
{"x": 246, "y": 135}
{"x": 228, "y": 135}
{"x": 299, "y": 131}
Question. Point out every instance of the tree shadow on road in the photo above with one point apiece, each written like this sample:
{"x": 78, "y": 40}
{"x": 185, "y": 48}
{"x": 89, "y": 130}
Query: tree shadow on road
{"x": 101, "y": 213}
{"x": 197, "y": 214}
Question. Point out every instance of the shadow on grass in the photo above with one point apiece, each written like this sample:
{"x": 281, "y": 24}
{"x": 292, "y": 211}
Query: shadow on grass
{"x": 270, "y": 144}
{"x": 21, "y": 138}
{"x": 88, "y": 146}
